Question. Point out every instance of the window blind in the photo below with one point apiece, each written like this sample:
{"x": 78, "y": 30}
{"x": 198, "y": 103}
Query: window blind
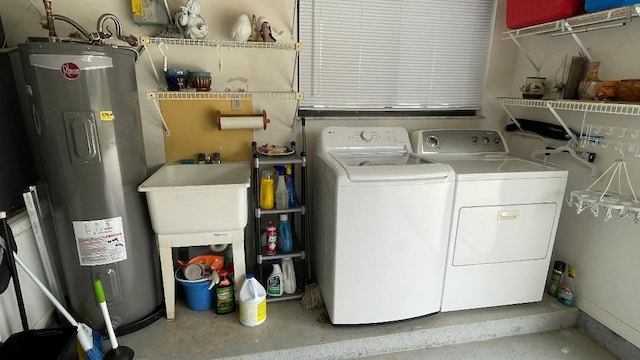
{"x": 380, "y": 55}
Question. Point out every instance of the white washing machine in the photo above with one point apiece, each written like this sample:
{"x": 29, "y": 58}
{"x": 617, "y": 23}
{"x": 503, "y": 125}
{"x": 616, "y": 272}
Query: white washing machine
{"x": 504, "y": 219}
{"x": 381, "y": 219}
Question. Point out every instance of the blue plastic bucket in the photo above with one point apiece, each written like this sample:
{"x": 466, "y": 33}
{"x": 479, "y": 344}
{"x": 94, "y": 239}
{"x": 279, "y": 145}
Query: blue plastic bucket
{"x": 196, "y": 292}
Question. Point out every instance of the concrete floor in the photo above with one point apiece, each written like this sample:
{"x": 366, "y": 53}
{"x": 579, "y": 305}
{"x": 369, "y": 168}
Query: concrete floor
{"x": 544, "y": 330}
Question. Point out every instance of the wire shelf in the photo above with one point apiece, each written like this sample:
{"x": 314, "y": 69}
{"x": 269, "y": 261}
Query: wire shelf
{"x": 574, "y": 105}
{"x": 289, "y": 46}
{"x": 213, "y": 95}
{"x": 580, "y": 23}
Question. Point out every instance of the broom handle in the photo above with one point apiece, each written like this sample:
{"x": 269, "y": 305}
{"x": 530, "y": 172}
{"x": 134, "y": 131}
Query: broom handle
{"x": 46, "y": 291}
{"x": 14, "y": 272}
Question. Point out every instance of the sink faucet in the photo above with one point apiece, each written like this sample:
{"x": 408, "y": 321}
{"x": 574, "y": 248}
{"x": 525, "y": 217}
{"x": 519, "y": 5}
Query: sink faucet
{"x": 213, "y": 159}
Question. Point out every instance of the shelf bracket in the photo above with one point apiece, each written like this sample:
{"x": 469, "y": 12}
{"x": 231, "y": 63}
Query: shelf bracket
{"x": 572, "y": 136}
{"x": 513, "y": 118}
{"x": 154, "y": 100}
{"x": 515, "y": 40}
{"x": 578, "y": 42}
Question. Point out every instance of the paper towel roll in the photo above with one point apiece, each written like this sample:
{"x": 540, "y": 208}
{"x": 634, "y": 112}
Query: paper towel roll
{"x": 243, "y": 121}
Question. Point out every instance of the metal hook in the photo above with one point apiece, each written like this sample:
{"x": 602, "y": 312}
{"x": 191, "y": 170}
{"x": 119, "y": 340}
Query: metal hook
{"x": 164, "y": 56}
{"x": 635, "y": 134}
{"x": 629, "y": 149}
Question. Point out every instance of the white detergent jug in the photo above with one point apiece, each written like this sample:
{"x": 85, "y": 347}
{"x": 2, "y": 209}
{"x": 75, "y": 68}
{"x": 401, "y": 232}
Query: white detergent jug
{"x": 288, "y": 276}
{"x": 253, "y": 302}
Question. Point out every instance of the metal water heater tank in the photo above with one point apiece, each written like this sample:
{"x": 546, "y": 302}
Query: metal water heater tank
{"x": 84, "y": 122}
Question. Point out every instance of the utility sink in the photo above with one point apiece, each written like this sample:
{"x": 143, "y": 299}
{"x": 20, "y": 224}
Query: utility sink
{"x": 198, "y": 198}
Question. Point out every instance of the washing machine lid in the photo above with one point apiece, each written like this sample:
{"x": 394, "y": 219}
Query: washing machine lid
{"x": 397, "y": 166}
{"x": 497, "y": 166}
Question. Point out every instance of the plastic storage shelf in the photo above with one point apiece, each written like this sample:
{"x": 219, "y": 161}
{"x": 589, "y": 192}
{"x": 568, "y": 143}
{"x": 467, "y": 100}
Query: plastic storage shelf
{"x": 598, "y": 5}
{"x": 522, "y": 13}
{"x": 299, "y": 213}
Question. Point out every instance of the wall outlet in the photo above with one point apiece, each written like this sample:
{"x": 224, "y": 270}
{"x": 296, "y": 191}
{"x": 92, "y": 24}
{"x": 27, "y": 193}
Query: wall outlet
{"x": 236, "y": 105}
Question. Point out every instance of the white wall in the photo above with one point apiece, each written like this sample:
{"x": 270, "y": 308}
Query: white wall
{"x": 604, "y": 254}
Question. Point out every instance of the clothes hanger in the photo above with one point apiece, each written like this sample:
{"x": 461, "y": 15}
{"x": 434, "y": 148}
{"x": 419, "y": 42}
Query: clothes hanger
{"x": 559, "y": 149}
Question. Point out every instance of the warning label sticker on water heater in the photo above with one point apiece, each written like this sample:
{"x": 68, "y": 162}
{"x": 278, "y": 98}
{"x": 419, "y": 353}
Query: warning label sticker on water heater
{"x": 100, "y": 242}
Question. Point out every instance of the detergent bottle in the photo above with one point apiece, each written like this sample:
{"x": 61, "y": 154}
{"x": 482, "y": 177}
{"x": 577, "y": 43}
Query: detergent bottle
{"x": 284, "y": 231}
{"x": 288, "y": 276}
{"x": 274, "y": 281}
{"x": 266, "y": 190}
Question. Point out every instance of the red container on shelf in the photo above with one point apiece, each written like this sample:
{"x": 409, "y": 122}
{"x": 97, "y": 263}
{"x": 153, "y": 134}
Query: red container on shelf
{"x": 522, "y": 13}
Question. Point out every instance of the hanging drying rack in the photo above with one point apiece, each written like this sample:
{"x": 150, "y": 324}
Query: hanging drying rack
{"x": 624, "y": 205}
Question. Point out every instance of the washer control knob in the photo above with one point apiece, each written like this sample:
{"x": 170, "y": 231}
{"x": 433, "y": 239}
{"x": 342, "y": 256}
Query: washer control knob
{"x": 474, "y": 139}
{"x": 485, "y": 139}
{"x": 497, "y": 140}
{"x": 432, "y": 141}
{"x": 366, "y": 136}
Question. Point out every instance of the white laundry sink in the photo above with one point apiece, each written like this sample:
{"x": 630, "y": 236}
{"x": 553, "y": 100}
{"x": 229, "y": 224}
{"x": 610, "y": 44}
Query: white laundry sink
{"x": 198, "y": 198}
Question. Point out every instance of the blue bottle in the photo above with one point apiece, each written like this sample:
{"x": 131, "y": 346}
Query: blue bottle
{"x": 284, "y": 231}
{"x": 288, "y": 178}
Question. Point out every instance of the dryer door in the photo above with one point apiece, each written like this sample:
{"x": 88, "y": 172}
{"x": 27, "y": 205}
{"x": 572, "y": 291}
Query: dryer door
{"x": 504, "y": 233}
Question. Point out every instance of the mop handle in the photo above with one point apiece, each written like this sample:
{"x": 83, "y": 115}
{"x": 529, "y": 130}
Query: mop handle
{"x": 99, "y": 290}
{"x": 46, "y": 291}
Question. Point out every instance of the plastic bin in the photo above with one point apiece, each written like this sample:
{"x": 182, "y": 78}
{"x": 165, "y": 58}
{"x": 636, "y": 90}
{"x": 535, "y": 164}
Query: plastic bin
{"x": 597, "y": 5}
{"x": 42, "y": 344}
{"x": 522, "y": 13}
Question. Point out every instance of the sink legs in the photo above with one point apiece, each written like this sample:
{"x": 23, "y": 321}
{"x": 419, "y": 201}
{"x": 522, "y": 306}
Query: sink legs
{"x": 167, "y": 242}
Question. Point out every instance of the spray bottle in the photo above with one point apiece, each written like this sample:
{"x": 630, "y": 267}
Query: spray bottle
{"x": 282, "y": 195}
{"x": 567, "y": 290}
{"x": 288, "y": 178}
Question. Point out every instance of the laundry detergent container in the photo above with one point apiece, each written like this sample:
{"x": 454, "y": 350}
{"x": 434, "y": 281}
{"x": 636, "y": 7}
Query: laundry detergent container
{"x": 522, "y": 13}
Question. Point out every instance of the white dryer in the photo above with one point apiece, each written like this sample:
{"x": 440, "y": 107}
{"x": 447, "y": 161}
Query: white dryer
{"x": 504, "y": 219}
{"x": 381, "y": 219}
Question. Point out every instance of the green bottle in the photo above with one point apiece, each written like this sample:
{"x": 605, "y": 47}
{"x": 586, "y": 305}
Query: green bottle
{"x": 225, "y": 295}
{"x": 556, "y": 277}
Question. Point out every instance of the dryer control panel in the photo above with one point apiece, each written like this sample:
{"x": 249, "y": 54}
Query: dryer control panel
{"x": 457, "y": 141}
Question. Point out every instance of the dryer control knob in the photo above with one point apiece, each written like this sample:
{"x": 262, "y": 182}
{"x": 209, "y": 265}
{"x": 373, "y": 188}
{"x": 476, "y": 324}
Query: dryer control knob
{"x": 432, "y": 141}
{"x": 366, "y": 136}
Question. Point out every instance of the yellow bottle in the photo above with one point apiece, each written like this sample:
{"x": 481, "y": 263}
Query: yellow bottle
{"x": 267, "y": 190}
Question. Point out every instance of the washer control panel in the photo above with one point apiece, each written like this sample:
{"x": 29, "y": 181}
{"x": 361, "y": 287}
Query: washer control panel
{"x": 458, "y": 141}
{"x": 361, "y": 138}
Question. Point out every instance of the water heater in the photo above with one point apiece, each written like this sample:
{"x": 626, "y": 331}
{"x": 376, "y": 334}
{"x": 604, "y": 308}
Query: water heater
{"x": 84, "y": 125}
